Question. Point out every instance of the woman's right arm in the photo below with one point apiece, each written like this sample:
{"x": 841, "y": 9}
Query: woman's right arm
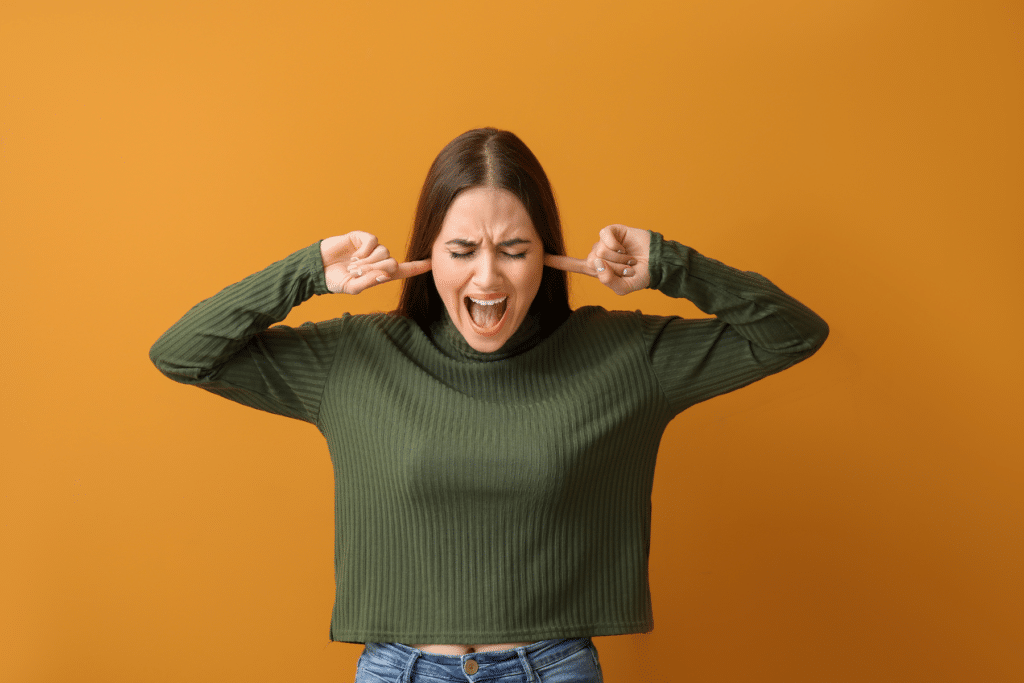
{"x": 223, "y": 343}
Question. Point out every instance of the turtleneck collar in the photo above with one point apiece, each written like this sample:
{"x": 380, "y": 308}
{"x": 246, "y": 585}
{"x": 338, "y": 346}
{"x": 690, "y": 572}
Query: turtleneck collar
{"x": 451, "y": 342}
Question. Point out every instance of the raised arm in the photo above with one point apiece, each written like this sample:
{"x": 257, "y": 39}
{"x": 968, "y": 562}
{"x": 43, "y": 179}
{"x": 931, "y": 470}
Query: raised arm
{"x": 757, "y": 329}
{"x": 223, "y": 343}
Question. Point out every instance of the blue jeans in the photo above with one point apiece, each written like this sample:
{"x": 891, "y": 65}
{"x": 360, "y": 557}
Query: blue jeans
{"x": 571, "y": 660}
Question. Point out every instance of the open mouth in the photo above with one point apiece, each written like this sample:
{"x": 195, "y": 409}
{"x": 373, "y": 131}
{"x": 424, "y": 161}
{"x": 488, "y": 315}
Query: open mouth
{"x": 487, "y": 315}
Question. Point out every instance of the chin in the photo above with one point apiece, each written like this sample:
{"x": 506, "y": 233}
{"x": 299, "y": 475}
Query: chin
{"x": 485, "y": 343}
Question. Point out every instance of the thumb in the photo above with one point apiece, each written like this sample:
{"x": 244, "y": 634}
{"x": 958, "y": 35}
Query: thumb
{"x": 613, "y": 236}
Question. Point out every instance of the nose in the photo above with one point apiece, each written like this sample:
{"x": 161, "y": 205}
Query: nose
{"x": 486, "y": 272}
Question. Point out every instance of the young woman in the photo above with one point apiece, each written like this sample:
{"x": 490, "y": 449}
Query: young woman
{"x": 493, "y": 449}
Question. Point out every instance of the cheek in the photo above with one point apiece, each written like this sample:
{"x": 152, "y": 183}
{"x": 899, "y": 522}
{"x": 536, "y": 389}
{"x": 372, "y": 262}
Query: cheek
{"x": 529, "y": 277}
{"x": 446, "y": 276}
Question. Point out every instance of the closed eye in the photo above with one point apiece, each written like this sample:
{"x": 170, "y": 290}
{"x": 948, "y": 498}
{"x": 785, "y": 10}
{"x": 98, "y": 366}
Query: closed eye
{"x": 468, "y": 254}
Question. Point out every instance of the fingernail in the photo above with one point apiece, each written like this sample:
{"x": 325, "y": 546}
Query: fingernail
{"x": 382, "y": 278}
{"x": 359, "y": 272}
{"x": 598, "y": 266}
{"x": 354, "y": 258}
{"x": 626, "y": 273}
{"x": 620, "y": 251}
{"x": 632, "y": 262}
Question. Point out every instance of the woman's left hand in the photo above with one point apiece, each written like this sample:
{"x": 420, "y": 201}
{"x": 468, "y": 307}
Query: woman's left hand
{"x": 619, "y": 259}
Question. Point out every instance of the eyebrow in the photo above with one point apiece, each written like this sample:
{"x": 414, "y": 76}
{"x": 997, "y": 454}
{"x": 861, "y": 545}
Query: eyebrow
{"x": 507, "y": 243}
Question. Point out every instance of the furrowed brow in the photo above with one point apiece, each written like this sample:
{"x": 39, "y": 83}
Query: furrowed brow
{"x": 469, "y": 243}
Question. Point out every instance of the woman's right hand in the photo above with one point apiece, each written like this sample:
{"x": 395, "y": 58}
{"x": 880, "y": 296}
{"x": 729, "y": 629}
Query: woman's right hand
{"x": 355, "y": 261}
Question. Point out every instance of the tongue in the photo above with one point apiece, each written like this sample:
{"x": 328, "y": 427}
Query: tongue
{"x": 487, "y": 316}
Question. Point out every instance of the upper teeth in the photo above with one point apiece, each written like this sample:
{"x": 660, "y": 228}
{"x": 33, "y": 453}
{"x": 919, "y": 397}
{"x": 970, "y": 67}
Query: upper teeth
{"x": 492, "y": 302}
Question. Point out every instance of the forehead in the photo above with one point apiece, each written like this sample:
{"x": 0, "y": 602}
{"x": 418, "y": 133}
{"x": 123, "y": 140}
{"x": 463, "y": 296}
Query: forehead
{"x": 487, "y": 213}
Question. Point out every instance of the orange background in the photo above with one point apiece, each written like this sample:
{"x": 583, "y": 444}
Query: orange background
{"x": 857, "y": 518}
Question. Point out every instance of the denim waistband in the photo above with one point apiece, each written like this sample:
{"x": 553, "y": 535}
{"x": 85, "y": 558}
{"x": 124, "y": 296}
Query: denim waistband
{"x": 493, "y": 664}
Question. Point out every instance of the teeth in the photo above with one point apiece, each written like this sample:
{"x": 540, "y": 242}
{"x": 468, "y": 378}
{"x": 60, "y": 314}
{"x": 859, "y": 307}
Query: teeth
{"x": 481, "y": 302}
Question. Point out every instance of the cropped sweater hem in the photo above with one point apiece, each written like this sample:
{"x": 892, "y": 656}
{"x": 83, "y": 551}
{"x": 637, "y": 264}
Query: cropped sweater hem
{"x": 490, "y": 637}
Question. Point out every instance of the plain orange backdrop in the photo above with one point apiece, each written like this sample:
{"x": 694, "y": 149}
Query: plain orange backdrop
{"x": 856, "y": 518}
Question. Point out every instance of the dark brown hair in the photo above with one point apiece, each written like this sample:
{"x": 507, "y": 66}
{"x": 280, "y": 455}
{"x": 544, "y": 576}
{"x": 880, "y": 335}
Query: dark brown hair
{"x": 493, "y": 158}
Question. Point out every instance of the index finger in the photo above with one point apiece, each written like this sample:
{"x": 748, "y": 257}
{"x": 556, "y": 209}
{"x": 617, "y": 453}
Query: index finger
{"x": 411, "y": 268}
{"x": 573, "y": 265}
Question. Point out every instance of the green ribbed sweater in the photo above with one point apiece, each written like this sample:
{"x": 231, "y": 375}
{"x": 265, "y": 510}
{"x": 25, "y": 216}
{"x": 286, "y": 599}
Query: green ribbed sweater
{"x": 490, "y": 497}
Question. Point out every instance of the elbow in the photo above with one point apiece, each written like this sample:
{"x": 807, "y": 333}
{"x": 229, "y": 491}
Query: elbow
{"x": 171, "y": 357}
{"x": 818, "y": 334}
{"x": 822, "y": 335}
{"x": 156, "y": 356}
{"x": 161, "y": 357}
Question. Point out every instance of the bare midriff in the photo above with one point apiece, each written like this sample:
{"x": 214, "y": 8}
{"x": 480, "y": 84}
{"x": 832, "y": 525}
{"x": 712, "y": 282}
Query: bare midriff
{"x": 468, "y": 649}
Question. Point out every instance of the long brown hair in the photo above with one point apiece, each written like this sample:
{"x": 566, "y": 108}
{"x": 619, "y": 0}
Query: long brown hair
{"x": 494, "y": 158}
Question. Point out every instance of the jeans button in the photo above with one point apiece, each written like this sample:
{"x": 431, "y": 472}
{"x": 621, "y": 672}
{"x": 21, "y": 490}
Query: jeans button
{"x": 470, "y": 667}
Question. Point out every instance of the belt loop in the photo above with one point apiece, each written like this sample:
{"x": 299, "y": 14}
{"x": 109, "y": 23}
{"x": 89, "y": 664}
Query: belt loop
{"x": 530, "y": 678}
{"x": 407, "y": 674}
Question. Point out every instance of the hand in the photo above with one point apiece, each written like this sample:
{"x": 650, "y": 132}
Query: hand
{"x": 354, "y": 262}
{"x": 619, "y": 259}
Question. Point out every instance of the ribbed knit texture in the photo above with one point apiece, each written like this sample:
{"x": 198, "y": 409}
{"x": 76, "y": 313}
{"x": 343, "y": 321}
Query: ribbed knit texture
{"x": 490, "y": 497}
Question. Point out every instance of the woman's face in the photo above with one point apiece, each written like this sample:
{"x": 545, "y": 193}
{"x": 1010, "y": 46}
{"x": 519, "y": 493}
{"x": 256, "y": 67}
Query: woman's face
{"x": 487, "y": 264}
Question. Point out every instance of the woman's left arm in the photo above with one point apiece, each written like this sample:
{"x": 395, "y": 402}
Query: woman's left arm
{"x": 757, "y": 330}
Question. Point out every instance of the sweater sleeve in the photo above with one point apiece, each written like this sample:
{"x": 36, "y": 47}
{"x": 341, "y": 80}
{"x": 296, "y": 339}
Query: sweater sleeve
{"x": 223, "y": 343}
{"x": 757, "y": 330}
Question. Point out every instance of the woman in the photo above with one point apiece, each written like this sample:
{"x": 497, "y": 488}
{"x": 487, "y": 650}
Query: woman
{"x": 493, "y": 450}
